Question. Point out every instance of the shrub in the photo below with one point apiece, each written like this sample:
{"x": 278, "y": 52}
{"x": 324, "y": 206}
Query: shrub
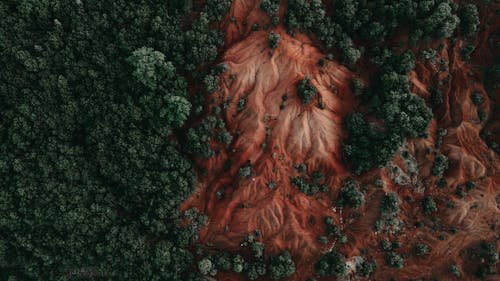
{"x": 274, "y": 40}
{"x": 440, "y": 165}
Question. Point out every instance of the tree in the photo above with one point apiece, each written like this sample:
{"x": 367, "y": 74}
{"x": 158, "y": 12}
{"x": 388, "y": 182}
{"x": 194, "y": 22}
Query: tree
{"x": 150, "y": 67}
{"x": 394, "y": 260}
{"x": 453, "y": 268}
{"x": 331, "y": 264}
{"x": 350, "y": 196}
{"x": 365, "y": 268}
{"x": 469, "y": 19}
{"x": 428, "y": 205}
{"x": 440, "y": 165}
{"x": 281, "y": 266}
{"x": 206, "y": 267}
{"x": 274, "y": 40}
{"x": 306, "y": 90}
{"x": 389, "y": 204}
{"x": 421, "y": 249}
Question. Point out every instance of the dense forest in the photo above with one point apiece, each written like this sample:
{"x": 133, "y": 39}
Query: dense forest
{"x": 103, "y": 113}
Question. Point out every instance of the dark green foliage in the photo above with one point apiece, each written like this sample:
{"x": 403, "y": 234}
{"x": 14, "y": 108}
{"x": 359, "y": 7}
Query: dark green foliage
{"x": 274, "y": 40}
{"x": 91, "y": 174}
{"x": 482, "y": 115}
{"x": 331, "y": 264}
{"x": 488, "y": 257}
{"x": 392, "y": 259}
{"x": 365, "y": 268}
{"x": 454, "y": 270}
{"x": 306, "y": 90}
{"x": 489, "y": 252}
{"x": 305, "y": 186}
{"x": 322, "y": 239}
{"x": 436, "y": 97}
{"x": 467, "y": 51}
{"x": 492, "y": 78}
{"x": 257, "y": 269}
{"x": 403, "y": 114}
{"x": 477, "y": 98}
{"x": 367, "y": 145}
{"x": 389, "y": 205}
{"x": 271, "y": 7}
{"x": 238, "y": 263}
{"x": 421, "y": 249}
{"x": 440, "y": 165}
{"x": 196, "y": 139}
{"x": 206, "y": 267}
{"x": 370, "y": 22}
{"x": 386, "y": 245}
{"x": 245, "y": 170}
{"x": 281, "y": 266}
{"x": 428, "y": 205}
{"x": 469, "y": 19}
{"x": 150, "y": 67}
{"x": 211, "y": 83}
{"x": 404, "y": 63}
{"x": 402, "y": 111}
{"x": 350, "y": 196}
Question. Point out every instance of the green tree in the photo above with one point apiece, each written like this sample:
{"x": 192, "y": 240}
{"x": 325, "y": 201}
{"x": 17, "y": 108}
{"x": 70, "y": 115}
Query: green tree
{"x": 350, "y": 196}
{"x": 331, "y": 264}
{"x": 469, "y": 19}
{"x": 281, "y": 266}
{"x": 306, "y": 90}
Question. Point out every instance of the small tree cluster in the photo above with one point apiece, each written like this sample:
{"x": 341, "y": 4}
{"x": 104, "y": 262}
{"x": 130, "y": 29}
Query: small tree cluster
{"x": 331, "y": 264}
{"x": 394, "y": 260}
{"x": 421, "y": 249}
{"x": 429, "y": 205}
{"x": 281, "y": 266}
{"x": 366, "y": 268}
{"x": 440, "y": 165}
{"x": 469, "y": 19}
{"x": 350, "y": 196}
{"x": 306, "y": 90}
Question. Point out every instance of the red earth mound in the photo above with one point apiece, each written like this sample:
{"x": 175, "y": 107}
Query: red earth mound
{"x": 274, "y": 131}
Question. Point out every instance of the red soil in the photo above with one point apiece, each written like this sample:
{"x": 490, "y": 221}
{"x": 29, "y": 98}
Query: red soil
{"x": 287, "y": 218}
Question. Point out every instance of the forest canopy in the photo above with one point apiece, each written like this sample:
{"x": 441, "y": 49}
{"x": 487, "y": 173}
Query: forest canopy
{"x": 107, "y": 109}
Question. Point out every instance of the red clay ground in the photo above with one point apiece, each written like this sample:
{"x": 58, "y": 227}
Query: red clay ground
{"x": 275, "y": 139}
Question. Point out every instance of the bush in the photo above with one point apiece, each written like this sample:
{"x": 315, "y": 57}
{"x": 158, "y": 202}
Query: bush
{"x": 274, "y": 40}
